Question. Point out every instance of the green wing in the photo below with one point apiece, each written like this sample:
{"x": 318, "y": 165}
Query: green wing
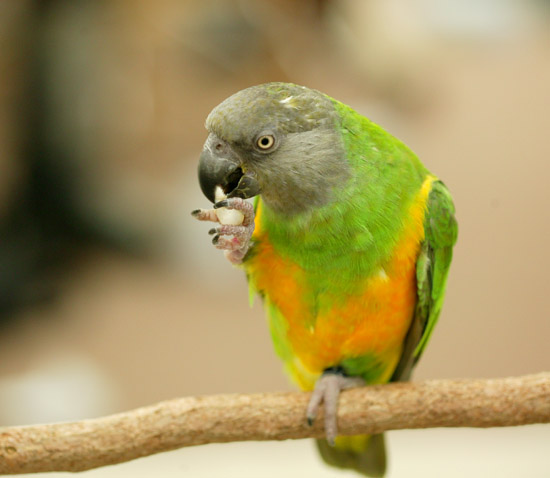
{"x": 432, "y": 267}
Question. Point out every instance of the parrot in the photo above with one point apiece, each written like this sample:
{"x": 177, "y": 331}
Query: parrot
{"x": 348, "y": 242}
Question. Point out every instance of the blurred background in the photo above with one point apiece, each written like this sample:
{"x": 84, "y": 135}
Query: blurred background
{"x": 111, "y": 295}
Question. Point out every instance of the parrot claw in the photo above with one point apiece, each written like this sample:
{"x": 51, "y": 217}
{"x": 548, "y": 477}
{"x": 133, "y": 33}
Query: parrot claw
{"x": 327, "y": 390}
{"x": 237, "y": 246}
{"x": 219, "y": 204}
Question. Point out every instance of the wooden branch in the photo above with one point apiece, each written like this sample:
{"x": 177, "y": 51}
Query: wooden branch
{"x": 192, "y": 421}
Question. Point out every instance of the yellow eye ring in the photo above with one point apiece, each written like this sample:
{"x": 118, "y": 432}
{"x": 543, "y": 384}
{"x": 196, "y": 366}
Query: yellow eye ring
{"x": 265, "y": 142}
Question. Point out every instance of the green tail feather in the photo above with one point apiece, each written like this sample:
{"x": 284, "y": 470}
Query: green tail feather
{"x": 362, "y": 453}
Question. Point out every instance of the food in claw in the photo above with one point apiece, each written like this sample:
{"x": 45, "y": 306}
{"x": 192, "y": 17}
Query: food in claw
{"x": 227, "y": 217}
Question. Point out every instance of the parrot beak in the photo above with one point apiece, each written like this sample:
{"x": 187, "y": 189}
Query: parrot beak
{"x": 220, "y": 166}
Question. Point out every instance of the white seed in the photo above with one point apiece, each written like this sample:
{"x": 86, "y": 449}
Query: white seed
{"x": 227, "y": 217}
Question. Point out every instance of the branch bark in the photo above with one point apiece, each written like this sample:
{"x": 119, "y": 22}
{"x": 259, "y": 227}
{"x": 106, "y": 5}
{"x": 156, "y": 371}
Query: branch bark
{"x": 192, "y": 421}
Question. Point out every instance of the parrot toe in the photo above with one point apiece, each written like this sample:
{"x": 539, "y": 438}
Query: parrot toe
{"x": 205, "y": 215}
{"x": 327, "y": 390}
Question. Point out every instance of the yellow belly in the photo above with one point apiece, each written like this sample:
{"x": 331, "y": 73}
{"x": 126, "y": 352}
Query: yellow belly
{"x": 372, "y": 322}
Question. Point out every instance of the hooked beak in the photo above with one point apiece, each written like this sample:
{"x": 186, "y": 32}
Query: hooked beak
{"x": 220, "y": 166}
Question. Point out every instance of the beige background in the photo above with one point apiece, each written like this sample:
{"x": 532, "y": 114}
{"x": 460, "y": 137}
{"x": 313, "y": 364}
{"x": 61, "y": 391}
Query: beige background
{"x": 467, "y": 92}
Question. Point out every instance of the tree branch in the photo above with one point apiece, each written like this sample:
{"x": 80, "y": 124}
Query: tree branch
{"x": 192, "y": 421}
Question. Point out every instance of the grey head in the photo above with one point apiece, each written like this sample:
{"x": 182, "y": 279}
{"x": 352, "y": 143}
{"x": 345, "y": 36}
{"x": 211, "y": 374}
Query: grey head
{"x": 279, "y": 140}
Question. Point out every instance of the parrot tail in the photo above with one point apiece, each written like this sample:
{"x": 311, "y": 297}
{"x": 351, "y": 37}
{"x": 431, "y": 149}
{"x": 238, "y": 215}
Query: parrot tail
{"x": 363, "y": 453}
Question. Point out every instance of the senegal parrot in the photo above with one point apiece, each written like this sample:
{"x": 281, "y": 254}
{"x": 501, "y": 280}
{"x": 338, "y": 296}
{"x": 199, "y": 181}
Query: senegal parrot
{"x": 349, "y": 243}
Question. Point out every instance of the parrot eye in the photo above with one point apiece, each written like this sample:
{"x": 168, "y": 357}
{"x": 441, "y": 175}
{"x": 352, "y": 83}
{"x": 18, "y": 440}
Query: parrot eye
{"x": 265, "y": 142}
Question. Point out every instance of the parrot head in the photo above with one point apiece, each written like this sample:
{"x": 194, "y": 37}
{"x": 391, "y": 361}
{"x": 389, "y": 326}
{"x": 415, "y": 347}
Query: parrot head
{"x": 279, "y": 140}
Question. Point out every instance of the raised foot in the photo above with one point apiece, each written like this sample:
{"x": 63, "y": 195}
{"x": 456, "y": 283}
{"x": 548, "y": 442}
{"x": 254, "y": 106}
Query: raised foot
{"x": 234, "y": 239}
{"x": 327, "y": 390}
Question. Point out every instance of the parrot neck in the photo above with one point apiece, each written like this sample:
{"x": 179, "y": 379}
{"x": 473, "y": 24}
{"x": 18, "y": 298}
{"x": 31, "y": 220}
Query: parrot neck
{"x": 314, "y": 239}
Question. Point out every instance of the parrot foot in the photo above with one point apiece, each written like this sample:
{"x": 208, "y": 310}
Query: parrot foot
{"x": 327, "y": 390}
{"x": 237, "y": 246}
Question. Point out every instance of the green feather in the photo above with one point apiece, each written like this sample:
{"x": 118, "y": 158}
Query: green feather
{"x": 432, "y": 268}
{"x": 441, "y": 231}
{"x": 367, "y": 454}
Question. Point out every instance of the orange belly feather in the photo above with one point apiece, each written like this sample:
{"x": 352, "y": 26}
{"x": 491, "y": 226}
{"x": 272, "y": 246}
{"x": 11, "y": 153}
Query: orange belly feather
{"x": 373, "y": 322}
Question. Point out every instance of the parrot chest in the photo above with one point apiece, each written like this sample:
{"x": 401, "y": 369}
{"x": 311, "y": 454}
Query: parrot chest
{"x": 313, "y": 330}
{"x": 361, "y": 326}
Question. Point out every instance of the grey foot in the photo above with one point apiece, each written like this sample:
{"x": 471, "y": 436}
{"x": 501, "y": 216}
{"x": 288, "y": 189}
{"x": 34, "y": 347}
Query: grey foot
{"x": 234, "y": 240}
{"x": 327, "y": 390}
